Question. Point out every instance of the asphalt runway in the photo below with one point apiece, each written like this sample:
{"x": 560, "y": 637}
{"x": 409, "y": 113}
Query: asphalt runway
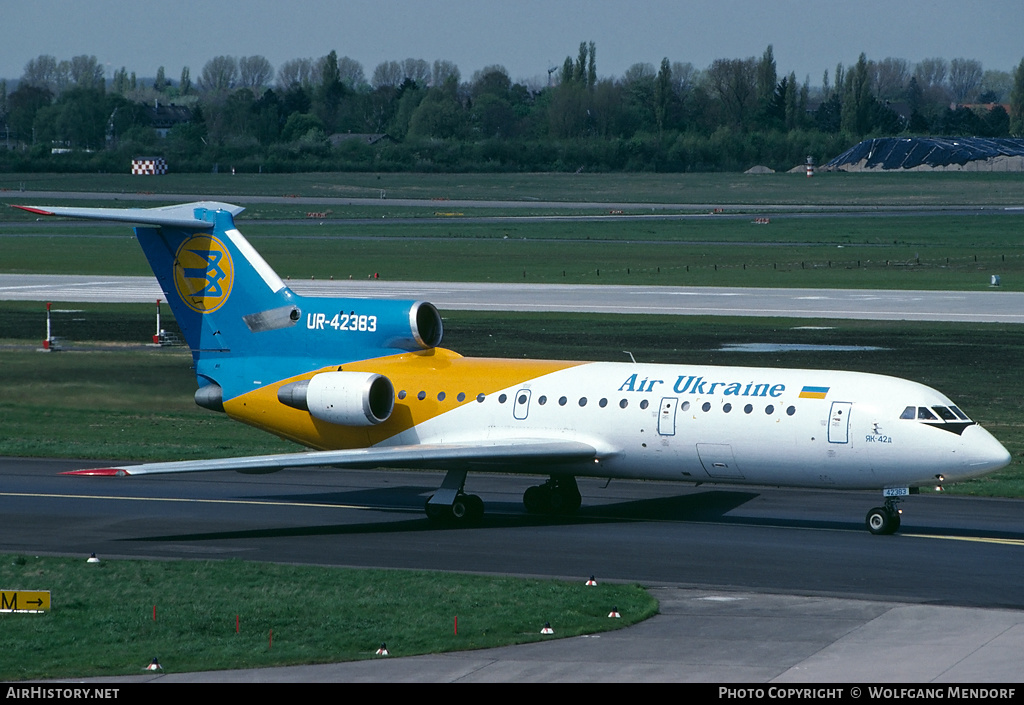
{"x": 992, "y": 306}
{"x": 653, "y": 532}
{"x": 756, "y": 584}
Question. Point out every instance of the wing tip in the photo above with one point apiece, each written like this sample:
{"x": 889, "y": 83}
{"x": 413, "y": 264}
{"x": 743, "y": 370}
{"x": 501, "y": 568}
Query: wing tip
{"x": 98, "y": 472}
{"x": 30, "y": 209}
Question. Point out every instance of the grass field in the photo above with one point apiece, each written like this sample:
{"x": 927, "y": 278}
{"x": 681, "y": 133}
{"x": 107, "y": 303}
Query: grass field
{"x": 113, "y": 618}
{"x": 834, "y": 252}
{"x": 909, "y": 189}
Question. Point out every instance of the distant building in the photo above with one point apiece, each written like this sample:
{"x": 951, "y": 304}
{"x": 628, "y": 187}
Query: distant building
{"x": 980, "y": 107}
{"x": 164, "y": 117}
{"x": 366, "y": 138}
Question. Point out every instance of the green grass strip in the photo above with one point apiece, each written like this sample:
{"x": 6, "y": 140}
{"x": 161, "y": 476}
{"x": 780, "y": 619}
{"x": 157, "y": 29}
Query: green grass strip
{"x": 102, "y": 622}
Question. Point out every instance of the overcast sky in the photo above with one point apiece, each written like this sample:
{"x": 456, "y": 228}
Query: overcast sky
{"x": 527, "y": 37}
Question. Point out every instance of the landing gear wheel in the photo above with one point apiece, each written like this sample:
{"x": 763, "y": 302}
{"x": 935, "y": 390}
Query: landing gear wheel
{"x": 882, "y": 522}
{"x": 559, "y": 496}
{"x": 434, "y": 512}
{"x": 533, "y": 499}
{"x": 467, "y": 509}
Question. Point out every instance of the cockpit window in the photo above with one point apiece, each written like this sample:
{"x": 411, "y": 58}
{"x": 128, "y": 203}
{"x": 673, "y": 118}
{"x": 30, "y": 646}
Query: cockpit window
{"x": 938, "y": 415}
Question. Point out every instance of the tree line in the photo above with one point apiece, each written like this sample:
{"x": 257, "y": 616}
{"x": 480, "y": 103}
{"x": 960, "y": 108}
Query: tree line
{"x": 326, "y": 114}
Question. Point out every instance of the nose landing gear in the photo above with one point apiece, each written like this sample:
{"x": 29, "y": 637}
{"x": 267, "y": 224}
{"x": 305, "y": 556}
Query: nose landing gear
{"x": 885, "y": 520}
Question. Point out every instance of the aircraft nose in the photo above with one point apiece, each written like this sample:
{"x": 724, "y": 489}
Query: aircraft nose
{"x": 984, "y": 452}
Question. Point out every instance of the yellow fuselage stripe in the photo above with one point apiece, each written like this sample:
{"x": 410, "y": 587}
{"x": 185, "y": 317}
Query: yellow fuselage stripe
{"x": 430, "y": 371}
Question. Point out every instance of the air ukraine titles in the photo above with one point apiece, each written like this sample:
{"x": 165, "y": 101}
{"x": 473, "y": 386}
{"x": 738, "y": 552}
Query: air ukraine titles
{"x": 693, "y": 384}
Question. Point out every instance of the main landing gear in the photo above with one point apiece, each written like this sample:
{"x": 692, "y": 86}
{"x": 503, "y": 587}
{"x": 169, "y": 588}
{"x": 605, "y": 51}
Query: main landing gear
{"x": 884, "y": 520}
{"x": 451, "y": 505}
{"x": 559, "y": 495}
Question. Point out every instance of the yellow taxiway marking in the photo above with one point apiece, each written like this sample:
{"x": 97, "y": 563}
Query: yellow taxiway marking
{"x": 255, "y": 502}
{"x": 976, "y": 539}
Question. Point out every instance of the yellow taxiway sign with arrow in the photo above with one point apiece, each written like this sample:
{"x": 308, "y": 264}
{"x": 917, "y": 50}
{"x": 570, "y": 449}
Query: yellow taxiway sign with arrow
{"x": 24, "y": 601}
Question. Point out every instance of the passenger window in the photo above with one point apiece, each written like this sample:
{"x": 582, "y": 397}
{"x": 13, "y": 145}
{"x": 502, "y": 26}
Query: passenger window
{"x": 462, "y": 396}
{"x": 421, "y": 396}
{"x": 770, "y": 409}
{"x": 561, "y": 401}
{"x": 706, "y": 406}
{"x": 603, "y": 403}
{"x": 685, "y": 406}
{"x": 909, "y": 413}
{"x": 748, "y": 408}
{"x": 623, "y": 404}
{"x": 644, "y": 404}
{"x": 440, "y": 396}
{"x": 543, "y": 400}
{"x": 727, "y": 408}
{"x": 401, "y": 394}
{"x": 924, "y": 415}
{"x": 790, "y": 410}
{"x": 502, "y": 399}
{"x": 583, "y": 401}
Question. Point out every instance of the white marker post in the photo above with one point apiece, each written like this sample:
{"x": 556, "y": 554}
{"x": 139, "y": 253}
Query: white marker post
{"x": 156, "y": 337}
{"x": 46, "y": 343}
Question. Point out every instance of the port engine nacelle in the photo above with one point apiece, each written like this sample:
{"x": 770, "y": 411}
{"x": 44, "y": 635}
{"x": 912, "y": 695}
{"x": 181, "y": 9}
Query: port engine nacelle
{"x": 342, "y": 398}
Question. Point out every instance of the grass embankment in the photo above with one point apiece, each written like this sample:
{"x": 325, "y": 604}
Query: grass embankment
{"x": 102, "y": 622}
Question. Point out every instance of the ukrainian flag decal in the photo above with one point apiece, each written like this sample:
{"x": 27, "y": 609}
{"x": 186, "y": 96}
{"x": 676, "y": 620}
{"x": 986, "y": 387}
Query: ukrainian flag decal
{"x": 813, "y": 392}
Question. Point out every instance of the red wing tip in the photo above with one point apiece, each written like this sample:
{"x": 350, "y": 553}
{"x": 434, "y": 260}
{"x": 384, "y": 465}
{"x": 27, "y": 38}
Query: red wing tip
{"x": 99, "y": 472}
{"x": 30, "y": 209}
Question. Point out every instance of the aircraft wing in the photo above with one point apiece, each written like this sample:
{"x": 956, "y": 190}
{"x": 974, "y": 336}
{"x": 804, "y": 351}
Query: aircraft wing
{"x": 494, "y": 456}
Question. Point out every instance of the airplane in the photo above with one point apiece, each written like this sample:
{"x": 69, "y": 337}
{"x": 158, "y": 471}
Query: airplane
{"x": 364, "y": 383}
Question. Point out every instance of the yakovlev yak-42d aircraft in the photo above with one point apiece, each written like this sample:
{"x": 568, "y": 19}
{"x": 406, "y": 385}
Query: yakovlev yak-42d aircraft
{"x": 365, "y": 384}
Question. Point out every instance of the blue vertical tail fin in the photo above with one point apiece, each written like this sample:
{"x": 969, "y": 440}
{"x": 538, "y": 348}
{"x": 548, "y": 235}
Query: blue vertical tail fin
{"x": 219, "y": 288}
{"x": 245, "y": 327}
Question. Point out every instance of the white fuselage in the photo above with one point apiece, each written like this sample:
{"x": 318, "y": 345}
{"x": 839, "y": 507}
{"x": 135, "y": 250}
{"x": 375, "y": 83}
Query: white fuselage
{"x": 803, "y": 428}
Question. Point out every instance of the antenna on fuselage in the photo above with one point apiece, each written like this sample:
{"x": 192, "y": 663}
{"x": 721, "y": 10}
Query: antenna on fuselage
{"x": 630, "y": 356}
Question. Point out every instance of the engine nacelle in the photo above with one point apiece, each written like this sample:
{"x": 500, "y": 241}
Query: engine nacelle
{"x": 343, "y": 398}
{"x": 414, "y": 328}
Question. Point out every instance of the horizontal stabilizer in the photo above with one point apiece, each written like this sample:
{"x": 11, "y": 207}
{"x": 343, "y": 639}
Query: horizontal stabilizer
{"x": 444, "y": 456}
{"x": 179, "y": 216}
